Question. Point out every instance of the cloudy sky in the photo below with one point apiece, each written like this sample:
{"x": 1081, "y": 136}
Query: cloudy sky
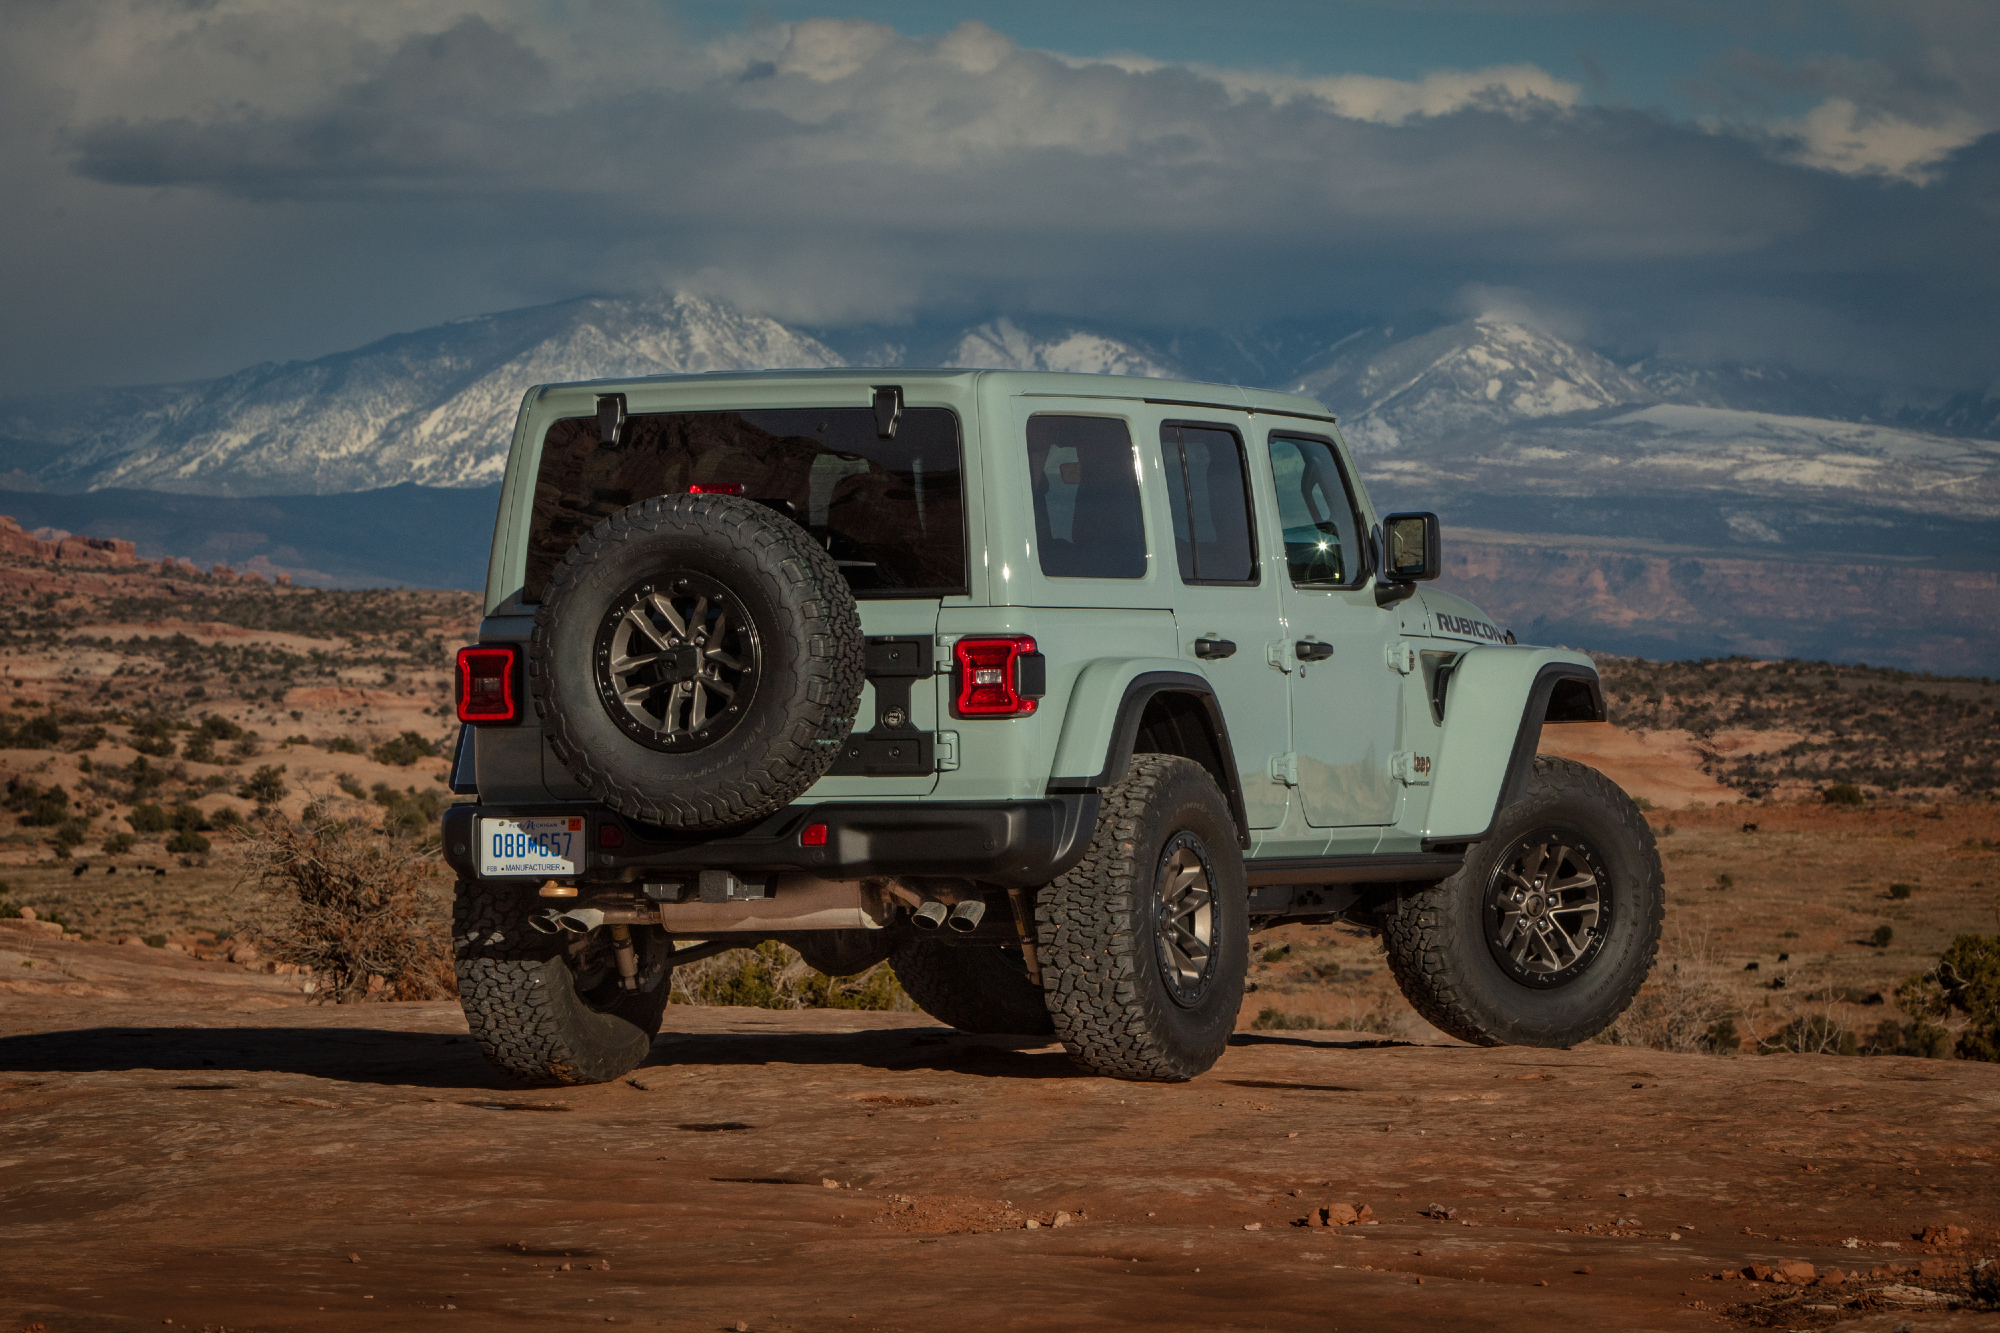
{"x": 201, "y": 184}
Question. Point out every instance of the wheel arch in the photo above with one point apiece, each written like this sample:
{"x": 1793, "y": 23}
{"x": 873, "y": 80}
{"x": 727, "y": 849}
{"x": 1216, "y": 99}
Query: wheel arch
{"x": 1145, "y": 707}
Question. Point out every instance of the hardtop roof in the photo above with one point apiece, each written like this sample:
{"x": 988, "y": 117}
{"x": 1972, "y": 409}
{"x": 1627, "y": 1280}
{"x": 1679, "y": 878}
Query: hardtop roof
{"x": 1022, "y": 383}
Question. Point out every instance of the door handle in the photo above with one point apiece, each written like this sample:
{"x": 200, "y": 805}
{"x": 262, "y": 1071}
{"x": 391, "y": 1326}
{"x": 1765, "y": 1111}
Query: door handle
{"x": 1309, "y": 651}
{"x": 1210, "y": 650}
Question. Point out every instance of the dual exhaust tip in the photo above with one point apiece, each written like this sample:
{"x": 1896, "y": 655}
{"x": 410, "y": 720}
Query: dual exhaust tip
{"x": 575, "y": 921}
{"x": 963, "y": 918}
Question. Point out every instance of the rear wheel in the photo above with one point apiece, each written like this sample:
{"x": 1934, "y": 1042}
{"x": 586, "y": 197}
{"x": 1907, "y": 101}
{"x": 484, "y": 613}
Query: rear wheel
{"x": 972, "y": 987}
{"x": 1144, "y": 945}
{"x": 551, "y": 1009}
{"x": 1548, "y": 931}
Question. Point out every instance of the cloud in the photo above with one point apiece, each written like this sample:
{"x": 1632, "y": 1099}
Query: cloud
{"x": 253, "y": 178}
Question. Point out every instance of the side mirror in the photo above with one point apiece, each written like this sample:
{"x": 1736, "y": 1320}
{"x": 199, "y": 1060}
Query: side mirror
{"x": 1410, "y": 548}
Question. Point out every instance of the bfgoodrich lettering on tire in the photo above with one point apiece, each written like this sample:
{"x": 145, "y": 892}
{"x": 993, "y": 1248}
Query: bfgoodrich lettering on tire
{"x": 696, "y": 661}
{"x": 549, "y": 1009}
{"x": 1548, "y": 931}
{"x": 1144, "y": 945}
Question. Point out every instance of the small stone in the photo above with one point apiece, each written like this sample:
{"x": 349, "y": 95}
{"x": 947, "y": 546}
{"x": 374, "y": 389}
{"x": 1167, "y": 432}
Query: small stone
{"x": 1062, "y": 1220}
{"x": 1673, "y": 1235}
{"x": 1247, "y": 1226}
{"x": 1798, "y": 1272}
{"x": 604, "y": 1265}
{"x": 353, "y": 1258}
{"x": 1832, "y": 1277}
{"x": 1543, "y": 1283}
{"x": 826, "y": 1184}
{"x": 1584, "y": 1271}
{"x": 1342, "y": 1214}
{"x": 1420, "y": 1282}
{"x": 28, "y": 914}
{"x": 563, "y": 1269}
{"x": 1365, "y": 1214}
{"x": 1033, "y": 1224}
{"x": 1757, "y": 1272}
{"x": 742, "y": 1326}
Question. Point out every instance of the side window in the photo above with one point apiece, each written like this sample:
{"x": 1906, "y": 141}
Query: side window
{"x": 1209, "y": 489}
{"x": 1322, "y": 527}
{"x": 1086, "y": 482}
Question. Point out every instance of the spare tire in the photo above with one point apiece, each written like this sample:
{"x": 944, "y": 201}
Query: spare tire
{"x": 697, "y": 661}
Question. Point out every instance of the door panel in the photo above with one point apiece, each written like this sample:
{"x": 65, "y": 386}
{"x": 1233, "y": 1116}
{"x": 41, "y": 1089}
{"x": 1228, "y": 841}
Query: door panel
{"x": 1345, "y": 705}
{"x": 1225, "y": 599}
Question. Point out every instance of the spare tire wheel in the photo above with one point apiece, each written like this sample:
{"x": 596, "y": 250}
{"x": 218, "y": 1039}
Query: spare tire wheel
{"x": 697, "y": 661}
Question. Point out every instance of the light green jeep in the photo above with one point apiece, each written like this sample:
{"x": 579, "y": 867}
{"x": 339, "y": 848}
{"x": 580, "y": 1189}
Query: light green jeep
{"x": 1048, "y": 689}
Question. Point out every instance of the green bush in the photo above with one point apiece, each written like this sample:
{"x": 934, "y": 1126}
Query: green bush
{"x": 40, "y": 732}
{"x": 1966, "y": 981}
{"x": 187, "y": 842}
{"x": 1270, "y": 1019}
{"x": 1883, "y": 937}
{"x": 117, "y": 844}
{"x": 199, "y": 749}
{"x": 1843, "y": 793}
{"x": 352, "y": 786}
{"x": 150, "y": 737}
{"x": 1901, "y": 890}
{"x": 71, "y": 832}
{"x": 39, "y": 807}
{"x": 266, "y": 786}
{"x": 773, "y": 976}
{"x": 149, "y": 818}
{"x": 1721, "y": 1038}
{"x": 1277, "y": 954}
{"x": 409, "y": 813}
{"x": 340, "y": 745}
{"x": 218, "y": 728}
{"x": 1814, "y": 1034}
{"x": 405, "y": 750}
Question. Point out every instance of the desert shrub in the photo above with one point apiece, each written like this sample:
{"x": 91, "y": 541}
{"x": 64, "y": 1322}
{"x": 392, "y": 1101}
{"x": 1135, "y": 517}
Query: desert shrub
{"x": 117, "y": 844}
{"x": 186, "y": 842}
{"x": 266, "y": 786}
{"x": 225, "y": 816}
{"x": 9, "y": 911}
{"x": 409, "y": 813}
{"x": 40, "y": 732}
{"x": 1721, "y": 1038}
{"x": 1725, "y": 880}
{"x": 1901, "y": 890}
{"x": 71, "y": 832}
{"x": 39, "y": 807}
{"x": 352, "y": 786}
{"x": 154, "y": 941}
{"x": 1964, "y": 988}
{"x": 151, "y": 737}
{"x": 1842, "y": 793}
{"x": 149, "y": 818}
{"x": 199, "y": 749}
{"x": 773, "y": 976}
{"x": 1918, "y": 1038}
{"x": 1277, "y": 953}
{"x": 218, "y": 728}
{"x": 1883, "y": 937}
{"x": 1272, "y": 1019}
{"x": 340, "y": 745}
{"x": 88, "y": 739}
{"x": 1811, "y": 1034}
{"x": 351, "y": 905}
{"x": 1681, "y": 1007}
{"x": 248, "y": 746}
{"x": 403, "y": 751}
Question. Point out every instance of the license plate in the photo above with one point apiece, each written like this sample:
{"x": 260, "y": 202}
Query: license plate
{"x": 542, "y": 847}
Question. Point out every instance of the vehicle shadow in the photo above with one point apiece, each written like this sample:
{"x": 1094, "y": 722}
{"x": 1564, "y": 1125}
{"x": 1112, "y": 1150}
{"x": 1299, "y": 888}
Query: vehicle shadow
{"x": 441, "y": 1060}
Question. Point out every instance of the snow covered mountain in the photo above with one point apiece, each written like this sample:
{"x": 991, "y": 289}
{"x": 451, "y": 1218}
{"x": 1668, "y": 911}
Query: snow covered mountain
{"x": 1003, "y": 345}
{"x": 433, "y": 408}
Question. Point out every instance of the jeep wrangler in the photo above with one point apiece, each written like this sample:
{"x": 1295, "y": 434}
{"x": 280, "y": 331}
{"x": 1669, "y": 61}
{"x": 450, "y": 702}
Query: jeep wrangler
{"x": 1047, "y": 689}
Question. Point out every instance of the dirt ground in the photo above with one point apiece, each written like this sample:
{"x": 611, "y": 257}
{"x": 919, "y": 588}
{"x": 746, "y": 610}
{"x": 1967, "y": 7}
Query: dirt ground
{"x": 186, "y": 1143}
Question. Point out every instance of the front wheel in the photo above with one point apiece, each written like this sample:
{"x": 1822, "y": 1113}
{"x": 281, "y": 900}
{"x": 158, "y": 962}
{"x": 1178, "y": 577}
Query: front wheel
{"x": 552, "y": 1010}
{"x": 1549, "y": 929}
{"x": 1144, "y": 945}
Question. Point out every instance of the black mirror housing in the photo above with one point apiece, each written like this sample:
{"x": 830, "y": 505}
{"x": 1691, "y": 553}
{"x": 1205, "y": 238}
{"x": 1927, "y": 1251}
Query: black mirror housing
{"x": 1411, "y": 549}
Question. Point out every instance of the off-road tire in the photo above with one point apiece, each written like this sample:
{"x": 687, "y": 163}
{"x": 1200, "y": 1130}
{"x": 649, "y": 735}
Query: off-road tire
{"x": 808, "y": 681}
{"x": 521, "y": 1001}
{"x": 972, "y": 987}
{"x": 1098, "y": 937}
{"x": 1437, "y": 942}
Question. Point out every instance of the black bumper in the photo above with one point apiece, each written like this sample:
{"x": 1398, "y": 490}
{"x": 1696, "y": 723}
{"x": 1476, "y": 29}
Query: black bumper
{"x": 1010, "y": 843}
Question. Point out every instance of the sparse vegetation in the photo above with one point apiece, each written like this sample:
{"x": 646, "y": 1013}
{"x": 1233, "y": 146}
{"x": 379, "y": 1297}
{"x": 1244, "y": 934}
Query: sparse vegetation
{"x": 1964, "y": 990}
{"x": 404, "y": 750}
{"x": 773, "y": 976}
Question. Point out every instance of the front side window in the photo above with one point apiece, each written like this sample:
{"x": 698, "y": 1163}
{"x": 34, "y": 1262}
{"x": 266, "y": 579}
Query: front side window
{"x": 1208, "y": 486}
{"x": 890, "y": 512}
{"x": 1085, "y": 479}
{"x": 1322, "y": 525}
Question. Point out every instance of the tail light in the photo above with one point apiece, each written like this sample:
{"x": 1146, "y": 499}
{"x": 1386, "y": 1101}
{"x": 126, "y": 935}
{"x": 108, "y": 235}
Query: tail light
{"x": 998, "y": 677}
{"x": 716, "y": 488}
{"x": 486, "y": 684}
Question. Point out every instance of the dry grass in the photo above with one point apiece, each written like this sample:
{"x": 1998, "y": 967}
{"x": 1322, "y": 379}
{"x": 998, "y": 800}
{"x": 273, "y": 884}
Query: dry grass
{"x": 369, "y": 915}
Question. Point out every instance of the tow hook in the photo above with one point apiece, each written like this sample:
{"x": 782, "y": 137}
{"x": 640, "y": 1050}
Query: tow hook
{"x": 628, "y": 959}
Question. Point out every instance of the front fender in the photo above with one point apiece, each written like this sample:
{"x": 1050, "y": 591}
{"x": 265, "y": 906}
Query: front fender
{"x": 1495, "y": 704}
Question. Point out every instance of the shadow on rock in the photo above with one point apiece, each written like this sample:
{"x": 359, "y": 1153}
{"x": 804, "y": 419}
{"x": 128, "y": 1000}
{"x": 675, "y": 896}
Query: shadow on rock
{"x": 351, "y": 1055}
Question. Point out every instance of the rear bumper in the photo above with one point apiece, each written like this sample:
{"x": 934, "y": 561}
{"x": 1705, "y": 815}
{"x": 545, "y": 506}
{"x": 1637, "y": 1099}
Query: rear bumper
{"x": 1015, "y": 844}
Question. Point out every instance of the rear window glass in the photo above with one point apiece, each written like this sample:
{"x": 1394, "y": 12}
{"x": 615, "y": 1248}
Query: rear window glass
{"x": 1085, "y": 478}
{"x": 890, "y": 512}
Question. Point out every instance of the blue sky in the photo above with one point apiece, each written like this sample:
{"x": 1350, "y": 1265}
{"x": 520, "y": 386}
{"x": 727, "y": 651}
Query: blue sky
{"x": 203, "y": 184}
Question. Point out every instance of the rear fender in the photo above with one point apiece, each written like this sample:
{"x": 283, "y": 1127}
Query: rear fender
{"x": 1497, "y": 702}
{"x": 1102, "y": 727}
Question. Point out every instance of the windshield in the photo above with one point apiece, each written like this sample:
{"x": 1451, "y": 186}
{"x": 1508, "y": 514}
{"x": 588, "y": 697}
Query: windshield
{"x": 890, "y": 512}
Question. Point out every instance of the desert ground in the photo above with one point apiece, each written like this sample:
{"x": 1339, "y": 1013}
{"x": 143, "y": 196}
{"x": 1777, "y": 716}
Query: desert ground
{"x": 187, "y": 1140}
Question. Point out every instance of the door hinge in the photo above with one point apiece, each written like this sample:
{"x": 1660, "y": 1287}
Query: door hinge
{"x": 1279, "y": 654}
{"x": 1403, "y": 657}
{"x": 1285, "y": 768}
{"x": 1410, "y": 769}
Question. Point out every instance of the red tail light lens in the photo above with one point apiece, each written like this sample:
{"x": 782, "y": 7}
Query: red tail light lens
{"x": 716, "y": 488}
{"x": 990, "y": 677}
{"x": 486, "y": 692}
{"x": 813, "y": 836}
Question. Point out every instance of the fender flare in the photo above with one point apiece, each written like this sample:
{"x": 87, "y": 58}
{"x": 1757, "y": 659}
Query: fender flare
{"x": 1560, "y": 691}
{"x": 1143, "y": 686}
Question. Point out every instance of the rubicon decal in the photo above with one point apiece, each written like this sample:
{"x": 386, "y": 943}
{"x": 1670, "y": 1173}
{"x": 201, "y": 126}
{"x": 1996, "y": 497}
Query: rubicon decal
{"x": 1470, "y": 629}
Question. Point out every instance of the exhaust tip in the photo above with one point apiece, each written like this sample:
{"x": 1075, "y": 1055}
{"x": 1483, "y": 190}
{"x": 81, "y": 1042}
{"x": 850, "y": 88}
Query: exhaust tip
{"x": 930, "y": 916}
{"x": 966, "y": 916}
{"x": 547, "y": 922}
